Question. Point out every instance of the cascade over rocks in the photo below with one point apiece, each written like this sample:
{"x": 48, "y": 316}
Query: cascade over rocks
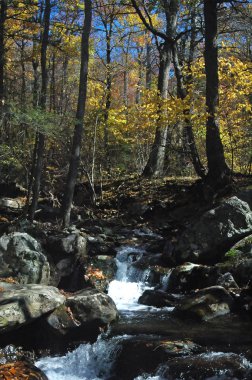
{"x": 20, "y": 305}
{"x": 21, "y": 257}
{"x": 216, "y": 230}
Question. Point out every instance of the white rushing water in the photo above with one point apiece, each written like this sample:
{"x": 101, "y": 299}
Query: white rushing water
{"x": 129, "y": 283}
{"x": 94, "y": 361}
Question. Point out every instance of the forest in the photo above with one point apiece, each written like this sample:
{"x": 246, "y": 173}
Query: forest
{"x": 151, "y": 88}
{"x": 125, "y": 189}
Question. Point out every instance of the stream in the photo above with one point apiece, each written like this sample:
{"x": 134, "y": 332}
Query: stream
{"x": 140, "y": 326}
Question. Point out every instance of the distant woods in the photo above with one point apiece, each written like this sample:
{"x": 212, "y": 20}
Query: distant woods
{"x": 96, "y": 89}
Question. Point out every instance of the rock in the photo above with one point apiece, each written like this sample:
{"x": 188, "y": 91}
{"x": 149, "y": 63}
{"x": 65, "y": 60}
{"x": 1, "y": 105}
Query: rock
{"x": 158, "y": 298}
{"x": 100, "y": 271}
{"x": 10, "y": 203}
{"x": 61, "y": 246}
{"x": 138, "y": 355}
{"x": 20, "y": 305}
{"x": 84, "y": 310}
{"x": 225, "y": 366}
{"x": 21, "y": 257}
{"x": 238, "y": 261}
{"x": 246, "y": 196}
{"x": 12, "y": 353}
{"x": 205, "y": 304}
{"x": 227, "y": 281}
{"x": 206, "y": 239}
{"x": 191, "y": 276}
{"x": 21, "y": 370}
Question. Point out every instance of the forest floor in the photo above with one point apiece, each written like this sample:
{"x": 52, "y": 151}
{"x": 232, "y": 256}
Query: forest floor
{"x": 159, "y": 204}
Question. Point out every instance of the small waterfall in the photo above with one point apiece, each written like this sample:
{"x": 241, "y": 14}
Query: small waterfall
{"x": 87, "y": 362}
{"x": 130, "y": 281}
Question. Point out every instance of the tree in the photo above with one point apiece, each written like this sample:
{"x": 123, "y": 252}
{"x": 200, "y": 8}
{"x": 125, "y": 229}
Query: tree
{"x": 40, "y": 140}
{"x": 77, "y": 137}
{"x": 155, "y": 164}
{"x": 218, "y": 171}
{"x": 3, "y": 16}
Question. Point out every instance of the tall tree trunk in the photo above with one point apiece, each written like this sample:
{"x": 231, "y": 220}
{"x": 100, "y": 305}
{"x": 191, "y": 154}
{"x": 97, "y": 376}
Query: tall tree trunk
{"x": 182, "y": 93}
{"x": 23, "y": 79}
{"x": 3, "y": 16}
{"x": 217, "y": 167}
{"x": 155, "y": 163}
{"x": 77, "y": 137}
{"x": 108, "y": 94}
{"x": 52, "y": 106}
{"x": 148, "y": 66}
{"x": 41, "y": 137}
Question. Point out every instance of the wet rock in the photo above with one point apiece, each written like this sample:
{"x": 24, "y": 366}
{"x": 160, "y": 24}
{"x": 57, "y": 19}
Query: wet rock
{"x": 84, "y": 313}
{"x": 21, "y": 370}
{"x": 215, "y": 230}
{"x": 12, "y": 353}
{"x": 92, "y": 306}
{"x": 224, "y": 366}
{"x": 21, "y": 257}
{"x": 227, "y": 281}
{"x": 20, "y": 305}
{"x": 191, "y": 276}
{"x": 145, "y": 354}
{"x": 158, "y": 298}
{"x": 205, "y": 304}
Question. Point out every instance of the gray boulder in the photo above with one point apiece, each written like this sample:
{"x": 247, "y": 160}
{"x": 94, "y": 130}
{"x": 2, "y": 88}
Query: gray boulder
{"x": 205, "y": 304}
{"x": 20, "y": 305}
{"x": 191, "y": 276}
{"x": 215, "y": 230}
{"x": 83, "y": 310}
{"x": 21, "y": 257}
{"x": 238, "y": 261}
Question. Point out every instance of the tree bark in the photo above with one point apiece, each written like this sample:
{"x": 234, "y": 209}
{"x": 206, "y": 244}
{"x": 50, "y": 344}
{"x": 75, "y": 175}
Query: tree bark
{"x": 155, "y": 163}
{"x": 3, "y": 16}
{"x": 182, "y": 93}
{"x": 217, "y": 167}
{"x": 41, "y": 137}
{"x": 77, "y": 137}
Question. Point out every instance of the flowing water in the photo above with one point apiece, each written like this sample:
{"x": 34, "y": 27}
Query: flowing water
{"x": 95, "y": 361}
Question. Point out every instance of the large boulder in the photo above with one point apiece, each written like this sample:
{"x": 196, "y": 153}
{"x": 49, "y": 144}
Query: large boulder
{"x": 20, "y": 305}
{"x": 66, "y": 245}
{"x": 206, "y": 304}
{"x": 84, "y": 310}
{"x": 216, "y": 230}
{"x": 191, "y": 276}
{"x": 238, "y": 261}
{"x": 158, "y": 298}
{"x": 21, "y": 257}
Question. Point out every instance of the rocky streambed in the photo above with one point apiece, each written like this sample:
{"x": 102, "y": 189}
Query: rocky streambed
{"x": 162, "y": 307}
